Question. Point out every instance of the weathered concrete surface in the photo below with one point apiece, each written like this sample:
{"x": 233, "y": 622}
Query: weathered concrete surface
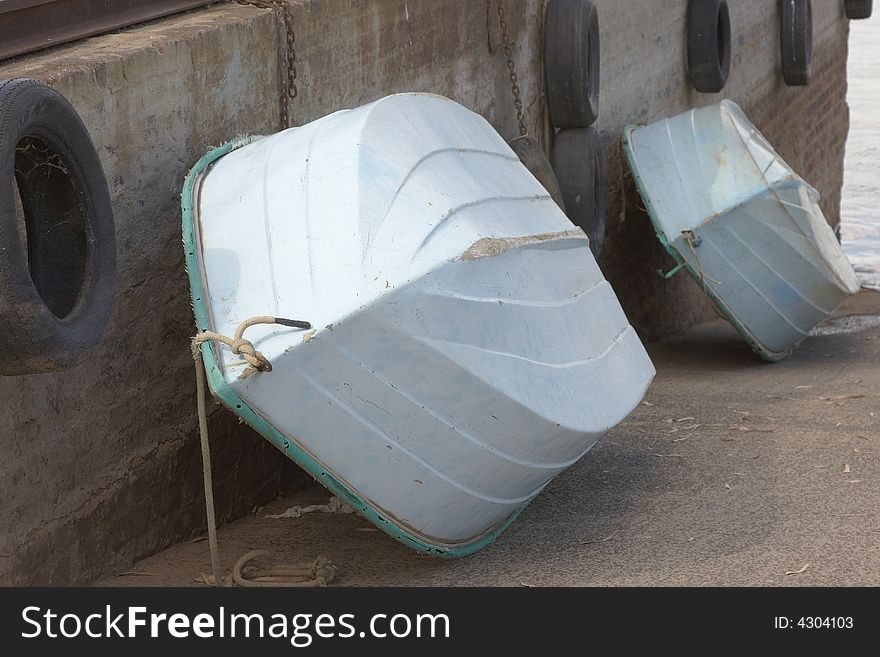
{"x": 101, "y": 462}
{"x": 733, "y": 472}
{"x": 353, "y": 52}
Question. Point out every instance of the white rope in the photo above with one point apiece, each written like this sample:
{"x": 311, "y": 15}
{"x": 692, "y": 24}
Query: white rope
{"x": 319, "y": 573}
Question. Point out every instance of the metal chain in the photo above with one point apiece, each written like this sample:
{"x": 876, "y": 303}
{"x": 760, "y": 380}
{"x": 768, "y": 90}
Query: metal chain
{"x": 514, "y": 86}
{"x": 288, "y": 89}
{"x": 546, "y": 128}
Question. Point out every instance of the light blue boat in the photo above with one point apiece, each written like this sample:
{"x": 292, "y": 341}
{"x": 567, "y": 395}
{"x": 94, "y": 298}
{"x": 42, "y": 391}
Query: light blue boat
{"x": 466, "y": 347}
{"x": 734, "y": 215}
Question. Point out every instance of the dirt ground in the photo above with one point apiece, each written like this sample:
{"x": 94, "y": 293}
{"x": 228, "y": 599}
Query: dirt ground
{"x": 732, "y": 472}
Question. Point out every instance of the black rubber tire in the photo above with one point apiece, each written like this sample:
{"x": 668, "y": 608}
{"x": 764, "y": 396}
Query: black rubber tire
{"x": 858, "y": 9}
{"x": 533, "y": 158}
{"x": 571, "y": 63}
{"x": 57, "y": 281}
{"x": 579, "y": 163}
{"x": 796, "y": 27}
{"x": 708, "y": 44}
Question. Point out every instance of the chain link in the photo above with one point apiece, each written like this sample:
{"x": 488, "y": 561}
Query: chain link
{"x": 514, "y": 81}
{"x": 288, "y": 89}
{"x": 546, "y": 128}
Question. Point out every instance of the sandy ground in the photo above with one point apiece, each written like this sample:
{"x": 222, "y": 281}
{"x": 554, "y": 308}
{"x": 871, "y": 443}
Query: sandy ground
{"x": 732, "y": 472}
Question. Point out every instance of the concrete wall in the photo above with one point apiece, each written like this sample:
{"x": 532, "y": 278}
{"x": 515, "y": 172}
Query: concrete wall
{"x": 100, "y": 463}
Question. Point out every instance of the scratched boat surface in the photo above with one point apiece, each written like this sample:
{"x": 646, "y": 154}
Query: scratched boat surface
{"x": 747, "y": 227}
{"x": 468, "y": 348}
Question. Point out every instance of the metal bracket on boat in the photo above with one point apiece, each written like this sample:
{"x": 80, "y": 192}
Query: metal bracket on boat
{"x": 672, "y": 272}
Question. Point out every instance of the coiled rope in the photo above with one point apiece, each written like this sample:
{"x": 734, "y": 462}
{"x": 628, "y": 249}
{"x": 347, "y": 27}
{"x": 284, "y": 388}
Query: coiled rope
{"x": 244, "y": 573}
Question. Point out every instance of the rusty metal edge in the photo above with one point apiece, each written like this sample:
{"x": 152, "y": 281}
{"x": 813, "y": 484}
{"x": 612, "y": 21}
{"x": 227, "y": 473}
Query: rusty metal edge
{"x": 29, "y": 25}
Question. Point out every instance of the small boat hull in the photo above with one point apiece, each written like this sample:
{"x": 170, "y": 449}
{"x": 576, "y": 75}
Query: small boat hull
{"x": 750, "y": 231}
{"x": 460, "y": 360}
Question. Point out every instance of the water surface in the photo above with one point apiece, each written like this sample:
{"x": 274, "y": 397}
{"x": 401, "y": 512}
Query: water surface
{"x": 860, "y": 219}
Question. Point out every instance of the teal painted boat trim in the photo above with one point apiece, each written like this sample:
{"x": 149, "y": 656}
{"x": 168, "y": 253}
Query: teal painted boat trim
{"x": 672, "y": 272}
{"x": 288, "y": 447}
{"x": 681, "y": 263}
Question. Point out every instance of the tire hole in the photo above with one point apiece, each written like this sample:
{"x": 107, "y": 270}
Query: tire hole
{"x": 53, "y": 225}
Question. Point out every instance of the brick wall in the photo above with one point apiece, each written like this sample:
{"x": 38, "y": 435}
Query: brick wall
{"x": 809, "y": 127}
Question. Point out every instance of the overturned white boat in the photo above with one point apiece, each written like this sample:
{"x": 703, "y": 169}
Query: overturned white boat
{"x": 467, "y": 347}
{"x": 732, "y": 213}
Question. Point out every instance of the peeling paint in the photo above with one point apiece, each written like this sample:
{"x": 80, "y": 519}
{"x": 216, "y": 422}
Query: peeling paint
{"x": 489, "y": 247}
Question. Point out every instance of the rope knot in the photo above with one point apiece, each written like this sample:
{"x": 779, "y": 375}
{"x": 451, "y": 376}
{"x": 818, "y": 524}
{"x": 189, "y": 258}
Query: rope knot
{"x": 323, "y": 571}
{"x": 254, "y": 358}
{"x": 240, "y": 346}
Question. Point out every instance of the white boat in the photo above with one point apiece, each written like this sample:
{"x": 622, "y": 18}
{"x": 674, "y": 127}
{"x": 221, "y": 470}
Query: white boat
{"x": 734, "y": 215}
{"x": 467, "y": 347}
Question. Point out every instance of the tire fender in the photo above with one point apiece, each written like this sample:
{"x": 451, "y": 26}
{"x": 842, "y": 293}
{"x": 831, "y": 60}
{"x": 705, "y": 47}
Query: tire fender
{"x": 58, "y": 275}
{"x": 858, "y": 9}
{"x": 708, "y": 44}
{"x": 533, "y": 158}
{"x": 579, "y": 163}
{"x": 796, "y": 37}
{"x": 571, "y": 62}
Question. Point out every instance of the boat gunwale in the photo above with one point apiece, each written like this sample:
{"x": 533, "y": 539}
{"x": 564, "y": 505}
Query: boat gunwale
{"x": 681, "y": 263}
{"x": 289, "y": 446}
